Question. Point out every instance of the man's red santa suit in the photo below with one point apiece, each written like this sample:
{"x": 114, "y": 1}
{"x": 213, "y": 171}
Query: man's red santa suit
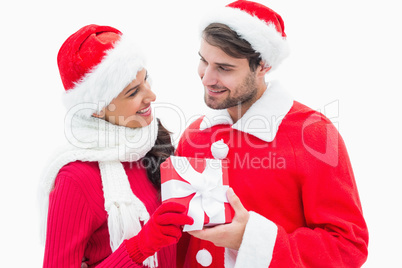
{"x": 288, "y": 165}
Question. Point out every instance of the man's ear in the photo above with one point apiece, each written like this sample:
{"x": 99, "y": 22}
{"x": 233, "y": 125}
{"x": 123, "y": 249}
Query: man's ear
{"x": 263, "y": 68}
{"x": 101, "y": 114}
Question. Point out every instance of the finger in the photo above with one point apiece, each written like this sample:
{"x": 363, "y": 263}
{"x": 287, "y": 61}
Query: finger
{"x": 174, "y": 219}
{"x": 209, "y": 234}
{"x": 171, "y": 231}
{"x": 170, "y": 207}
{"x": 171, "y": 240}
{"x": 234, "y": 201}
{"x": 197, "y": 233}
{"x": 83, "y": 264}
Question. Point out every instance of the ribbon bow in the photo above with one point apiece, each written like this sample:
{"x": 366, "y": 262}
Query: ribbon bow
{"x": 210, "y": 193}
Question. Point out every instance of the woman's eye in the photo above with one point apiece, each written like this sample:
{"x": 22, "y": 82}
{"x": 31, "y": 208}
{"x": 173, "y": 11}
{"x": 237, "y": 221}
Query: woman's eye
{"x": 134, "y": 93}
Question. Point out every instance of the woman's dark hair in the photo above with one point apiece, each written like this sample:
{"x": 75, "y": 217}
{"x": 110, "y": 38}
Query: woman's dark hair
{"x": 162, "y": 149}
{"x": 220, "y": 35}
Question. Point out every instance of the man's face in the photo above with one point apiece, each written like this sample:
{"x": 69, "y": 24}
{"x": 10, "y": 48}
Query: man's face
{"x": 227, "y": 81}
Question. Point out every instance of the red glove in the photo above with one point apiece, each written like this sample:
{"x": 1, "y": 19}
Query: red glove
{"x": 162, "y": 229}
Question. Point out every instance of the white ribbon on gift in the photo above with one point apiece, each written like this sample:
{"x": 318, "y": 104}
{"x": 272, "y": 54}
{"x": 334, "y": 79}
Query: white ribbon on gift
{"x": 210, "y": 193}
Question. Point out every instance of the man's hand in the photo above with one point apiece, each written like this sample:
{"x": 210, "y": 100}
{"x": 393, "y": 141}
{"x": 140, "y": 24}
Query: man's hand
{"x": 227, "y": 235}
{"x": 83, "y": 264}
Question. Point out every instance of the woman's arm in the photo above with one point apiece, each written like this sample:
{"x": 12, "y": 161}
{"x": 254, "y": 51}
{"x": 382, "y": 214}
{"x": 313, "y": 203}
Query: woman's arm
{"x": 71, "y": 222}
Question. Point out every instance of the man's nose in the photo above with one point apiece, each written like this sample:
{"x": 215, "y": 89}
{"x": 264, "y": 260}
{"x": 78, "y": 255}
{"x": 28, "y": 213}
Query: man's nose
{"x": 209, "y": 77}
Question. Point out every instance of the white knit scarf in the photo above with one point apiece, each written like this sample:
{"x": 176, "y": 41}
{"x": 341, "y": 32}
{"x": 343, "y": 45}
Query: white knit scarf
{"x": 93, "y": 139}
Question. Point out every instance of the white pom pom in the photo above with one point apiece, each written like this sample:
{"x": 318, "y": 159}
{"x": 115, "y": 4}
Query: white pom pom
{"x": 204, "y": 258}
{"x": 219, "y": 149}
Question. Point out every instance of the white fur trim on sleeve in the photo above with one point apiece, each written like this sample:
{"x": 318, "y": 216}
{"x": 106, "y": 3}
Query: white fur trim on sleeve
{"x": 258, "y": 242}
{"x": 230, "y": 257}
{"x": 263, "y": 37}
{"x": 100, "y": 86}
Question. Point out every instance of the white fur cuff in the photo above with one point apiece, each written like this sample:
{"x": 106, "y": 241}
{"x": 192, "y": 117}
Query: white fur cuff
{"x": 258, "y": 242}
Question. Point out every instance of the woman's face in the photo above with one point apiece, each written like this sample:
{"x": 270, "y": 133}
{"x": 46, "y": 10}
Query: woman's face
{"x": 132, "y": 107}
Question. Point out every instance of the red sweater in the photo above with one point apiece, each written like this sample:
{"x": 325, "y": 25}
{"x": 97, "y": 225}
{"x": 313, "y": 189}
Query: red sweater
{"x": 77, "y": 219}
{"x": 300, "y": 188}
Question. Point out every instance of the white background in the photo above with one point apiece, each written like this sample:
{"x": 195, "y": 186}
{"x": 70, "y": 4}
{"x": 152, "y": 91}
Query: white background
{"x": 344, "y": 53}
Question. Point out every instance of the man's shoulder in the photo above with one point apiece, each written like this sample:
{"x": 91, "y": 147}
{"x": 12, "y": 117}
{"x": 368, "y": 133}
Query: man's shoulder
{"x": 301, "y": 114}
{"x": 299, "y": 109}
{"x": 309, "y": 126}
{"x": 194, "y": 127}
{"x": 192, "y": 136}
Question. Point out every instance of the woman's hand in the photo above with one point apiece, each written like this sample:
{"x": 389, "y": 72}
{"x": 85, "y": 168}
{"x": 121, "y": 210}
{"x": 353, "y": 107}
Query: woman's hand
{"x": 227, "y": 235}
{"x": 162, "y": 229}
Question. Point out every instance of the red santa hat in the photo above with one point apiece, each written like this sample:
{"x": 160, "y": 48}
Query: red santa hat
{"x": 96, "y": 63}
{"x": 262, "y": 27}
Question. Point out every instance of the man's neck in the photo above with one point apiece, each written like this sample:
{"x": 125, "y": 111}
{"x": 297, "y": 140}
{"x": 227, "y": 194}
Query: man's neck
{"x": 237, "y": 112}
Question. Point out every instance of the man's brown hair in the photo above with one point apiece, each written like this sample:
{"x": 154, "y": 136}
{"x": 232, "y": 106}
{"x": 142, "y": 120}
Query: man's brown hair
{"x": 220, "y": 35}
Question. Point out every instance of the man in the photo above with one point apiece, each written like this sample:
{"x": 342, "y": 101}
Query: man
{"x": 294, "y": 195}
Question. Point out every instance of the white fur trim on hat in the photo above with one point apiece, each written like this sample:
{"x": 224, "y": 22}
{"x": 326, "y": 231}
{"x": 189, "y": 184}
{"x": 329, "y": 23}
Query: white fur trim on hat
{"x": 100, "y": 86}
{"x": 264, "y": 38}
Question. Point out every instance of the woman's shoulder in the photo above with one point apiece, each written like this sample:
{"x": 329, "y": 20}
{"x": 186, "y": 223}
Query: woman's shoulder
{"x": 85, "y": 176}
{"x": 80, "y": 167}
{"x": 82, "y": 181}
{"x": 81, "y": 172}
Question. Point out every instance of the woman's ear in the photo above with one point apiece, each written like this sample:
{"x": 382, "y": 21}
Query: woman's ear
{"x": 101, "y": 114}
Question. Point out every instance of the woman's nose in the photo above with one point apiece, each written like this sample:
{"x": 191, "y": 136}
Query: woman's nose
{"x": 150, "y": 95}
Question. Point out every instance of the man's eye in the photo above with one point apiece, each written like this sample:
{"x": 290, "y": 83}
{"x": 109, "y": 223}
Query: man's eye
{"x": 223, "y": 69}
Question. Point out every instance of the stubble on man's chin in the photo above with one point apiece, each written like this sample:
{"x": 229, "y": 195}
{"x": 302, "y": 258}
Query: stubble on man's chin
{"x": 212, "y": 103}
{"x": 249, "y": 94}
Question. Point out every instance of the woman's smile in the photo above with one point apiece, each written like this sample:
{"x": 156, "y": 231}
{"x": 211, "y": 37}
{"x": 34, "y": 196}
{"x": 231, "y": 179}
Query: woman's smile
{"x": 146, "y": 111}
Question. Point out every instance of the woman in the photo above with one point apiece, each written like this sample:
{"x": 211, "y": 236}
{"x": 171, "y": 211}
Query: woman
{"x": 100, "y": 190}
